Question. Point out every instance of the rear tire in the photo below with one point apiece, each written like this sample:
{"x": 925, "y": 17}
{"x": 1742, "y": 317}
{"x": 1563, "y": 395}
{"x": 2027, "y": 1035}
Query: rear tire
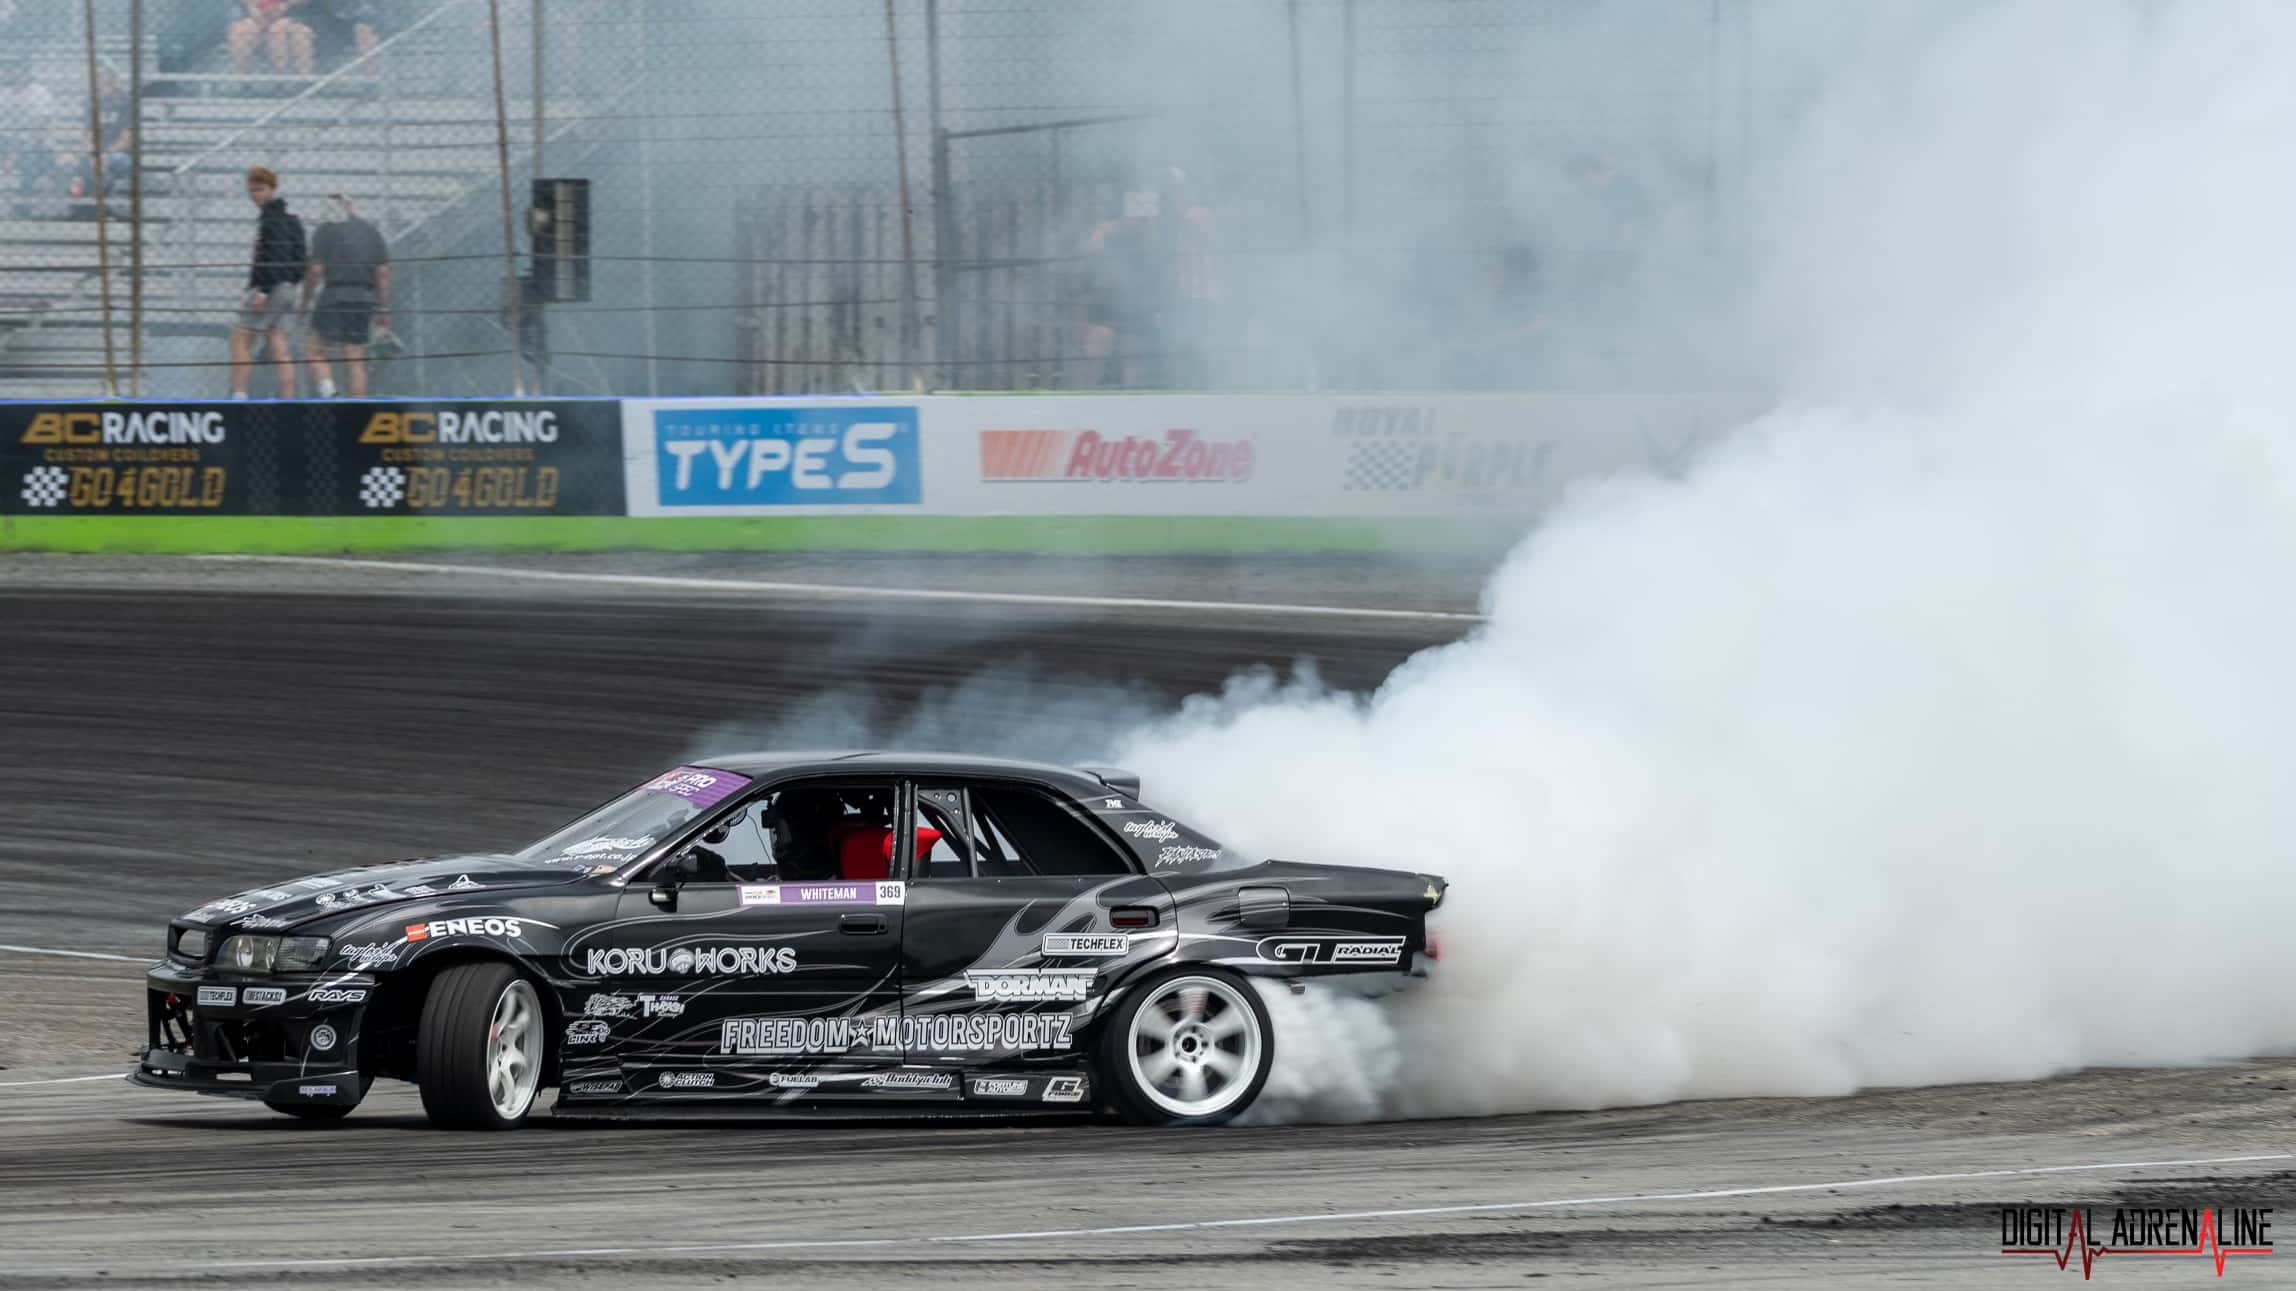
{"x": 311, "y": 1111}
{"x": 1188, "y": 1047}
{"x": 481, "y": 1047}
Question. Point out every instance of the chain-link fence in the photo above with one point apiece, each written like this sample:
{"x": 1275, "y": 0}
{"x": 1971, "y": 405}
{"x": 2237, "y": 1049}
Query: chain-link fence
{"x": 815, "y": 195}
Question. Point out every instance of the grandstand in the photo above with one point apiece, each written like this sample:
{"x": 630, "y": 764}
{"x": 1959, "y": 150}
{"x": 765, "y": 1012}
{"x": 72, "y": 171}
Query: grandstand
{"x": 408, "y": 133}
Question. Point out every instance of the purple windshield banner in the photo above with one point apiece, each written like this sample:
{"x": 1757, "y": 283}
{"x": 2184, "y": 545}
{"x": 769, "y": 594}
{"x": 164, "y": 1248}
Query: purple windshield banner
{"x": 698, "y": 785}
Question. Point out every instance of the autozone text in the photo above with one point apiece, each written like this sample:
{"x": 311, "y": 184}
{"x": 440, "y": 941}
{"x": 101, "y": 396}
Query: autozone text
{"x": 465, "y": 928}
{"x": 1028, "y": 984}
{"x": 494, "y": 426}
{"x": 1180, "y": 455}
{"x": 632, "y": 961}
{"x": 1330, "y": 950}
{"x": 932, "y": 1032}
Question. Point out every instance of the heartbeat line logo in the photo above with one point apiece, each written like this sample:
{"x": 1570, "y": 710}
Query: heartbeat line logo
{"x": 2063, "y": 1233}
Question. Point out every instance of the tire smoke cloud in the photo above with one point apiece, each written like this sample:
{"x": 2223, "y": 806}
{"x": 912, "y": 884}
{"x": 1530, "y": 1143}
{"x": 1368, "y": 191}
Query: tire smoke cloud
{"x": 1937, "y": 726}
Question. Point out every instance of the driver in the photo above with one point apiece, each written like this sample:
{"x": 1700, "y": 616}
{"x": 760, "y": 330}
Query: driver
{"x": 800, "y": 823}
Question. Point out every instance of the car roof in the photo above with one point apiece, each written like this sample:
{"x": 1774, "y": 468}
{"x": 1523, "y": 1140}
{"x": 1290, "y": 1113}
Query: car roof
{"x": 879, "y": 762}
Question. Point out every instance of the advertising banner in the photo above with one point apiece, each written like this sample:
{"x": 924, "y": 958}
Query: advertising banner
{"x": 1328, "y": 456}
{"x": 312, "y": 458}
{"x": 128, "y": 459}
{"x": 512, "y": 459}
{"x": 756, "y": 457}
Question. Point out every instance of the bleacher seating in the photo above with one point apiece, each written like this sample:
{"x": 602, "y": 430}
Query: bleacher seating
{"x": 404, "y": 135}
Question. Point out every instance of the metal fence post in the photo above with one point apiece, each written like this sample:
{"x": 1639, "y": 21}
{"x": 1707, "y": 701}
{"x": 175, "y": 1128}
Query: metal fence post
{"x": 103, "y": 221}
{"x": 135, "y": 199}
{"x": 944, "y": 208}
{"x": 511, "y": 293}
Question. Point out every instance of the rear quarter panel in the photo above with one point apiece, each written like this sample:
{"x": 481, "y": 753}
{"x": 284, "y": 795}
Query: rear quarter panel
{"x": 1289, "y": 919}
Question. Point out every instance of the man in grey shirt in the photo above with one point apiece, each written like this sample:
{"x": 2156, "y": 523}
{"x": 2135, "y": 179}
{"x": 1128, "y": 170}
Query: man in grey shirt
{"x": 351, "y": 273}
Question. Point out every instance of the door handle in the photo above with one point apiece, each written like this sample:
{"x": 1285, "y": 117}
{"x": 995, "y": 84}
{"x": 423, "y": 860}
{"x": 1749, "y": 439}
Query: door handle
{"x": 863, "y": 925}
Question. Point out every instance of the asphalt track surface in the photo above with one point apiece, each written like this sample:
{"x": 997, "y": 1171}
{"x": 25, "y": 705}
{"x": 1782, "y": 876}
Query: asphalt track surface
{"x": 168, "y": 732}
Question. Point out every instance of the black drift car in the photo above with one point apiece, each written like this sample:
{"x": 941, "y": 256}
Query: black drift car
{"x": 858, "y": 933}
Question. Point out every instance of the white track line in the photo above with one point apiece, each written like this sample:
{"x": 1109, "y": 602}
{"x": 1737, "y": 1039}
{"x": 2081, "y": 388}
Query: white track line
{"x": 1200, "y": 1225}
{"x": 79, "y": 954}
{"x": 61, "y": 1080}
{"x": 857, "y": 591}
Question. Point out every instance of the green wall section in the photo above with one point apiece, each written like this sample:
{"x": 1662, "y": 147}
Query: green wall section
{"x": 1102, "y": 535}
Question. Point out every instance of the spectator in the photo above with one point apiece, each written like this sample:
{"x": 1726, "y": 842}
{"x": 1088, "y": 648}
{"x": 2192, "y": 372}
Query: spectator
{"x": 115, "y": 141}
{"x": 1502, "y": 325}
{"x": 33, "y": 118}
{"x": 1121, "y": 297}
{"x": 351, "y": 273}
{"x": 270, "y": 302}
{"x": 366, "y": 22}
{"x": 270, "y": 23}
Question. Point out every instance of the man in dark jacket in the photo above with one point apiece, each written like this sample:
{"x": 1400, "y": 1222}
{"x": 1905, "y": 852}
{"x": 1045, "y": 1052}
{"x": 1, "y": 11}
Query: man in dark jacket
{"x": 271, "y": 279}
{"x": 350, "y": 273}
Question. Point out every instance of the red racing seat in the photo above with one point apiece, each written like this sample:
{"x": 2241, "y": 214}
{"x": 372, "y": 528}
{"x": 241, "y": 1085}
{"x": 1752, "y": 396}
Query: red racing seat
{"x": 865, "y": 853}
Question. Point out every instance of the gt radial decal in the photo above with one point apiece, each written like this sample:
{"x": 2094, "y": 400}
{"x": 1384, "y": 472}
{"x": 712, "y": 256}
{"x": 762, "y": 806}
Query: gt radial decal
{"x": 1330, "y": 950}
{"x": 820, "y": 894}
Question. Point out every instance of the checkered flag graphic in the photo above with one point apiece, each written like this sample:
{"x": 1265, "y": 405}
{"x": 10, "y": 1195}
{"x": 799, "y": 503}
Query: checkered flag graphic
{"x": 45, "y": 486}
{"x": 1381, "y": 466}
{"x": 382, "y": 488}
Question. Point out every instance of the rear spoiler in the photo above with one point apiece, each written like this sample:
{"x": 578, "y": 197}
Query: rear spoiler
{"x": 1117, "y": 778}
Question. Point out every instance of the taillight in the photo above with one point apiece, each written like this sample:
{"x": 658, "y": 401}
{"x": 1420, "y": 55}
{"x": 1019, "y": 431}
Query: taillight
{"x": 1434, "y": 947}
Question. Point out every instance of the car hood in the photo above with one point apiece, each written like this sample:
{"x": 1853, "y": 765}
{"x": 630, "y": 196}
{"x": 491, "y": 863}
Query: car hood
{"x": 369, "y": 887}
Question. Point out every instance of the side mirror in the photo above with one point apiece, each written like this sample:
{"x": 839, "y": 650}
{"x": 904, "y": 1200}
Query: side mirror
{"x": 672, "y": 874}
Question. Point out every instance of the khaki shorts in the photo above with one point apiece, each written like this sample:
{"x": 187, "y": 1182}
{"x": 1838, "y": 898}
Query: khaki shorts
{"x": 275, "y": 311}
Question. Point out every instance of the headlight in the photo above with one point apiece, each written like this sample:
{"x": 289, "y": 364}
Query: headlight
{"x": 191, "y": 944}
{"x": 246, "y": 954}
{"x": 298, "y": 954}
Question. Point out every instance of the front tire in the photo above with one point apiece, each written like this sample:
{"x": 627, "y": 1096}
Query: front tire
{"x": 1189, "y": 1047}
{"x": 480, "y": 1049}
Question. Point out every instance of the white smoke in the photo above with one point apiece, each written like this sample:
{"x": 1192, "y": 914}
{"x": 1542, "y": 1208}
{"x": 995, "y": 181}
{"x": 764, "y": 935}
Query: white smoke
{"x": 1936, "y": 727}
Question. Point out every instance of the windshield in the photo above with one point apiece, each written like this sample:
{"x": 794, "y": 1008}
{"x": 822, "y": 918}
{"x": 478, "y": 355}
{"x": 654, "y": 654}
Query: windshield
{"x": 626, "y": 828}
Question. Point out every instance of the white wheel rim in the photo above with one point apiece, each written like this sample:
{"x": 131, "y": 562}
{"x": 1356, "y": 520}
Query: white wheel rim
{"x": 514, "y": 1050}
{"x": 1195, "y": 1046}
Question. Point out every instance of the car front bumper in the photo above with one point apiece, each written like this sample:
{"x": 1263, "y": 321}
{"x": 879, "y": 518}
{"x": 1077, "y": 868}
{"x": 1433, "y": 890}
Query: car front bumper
{"x": 292, "y": 1038}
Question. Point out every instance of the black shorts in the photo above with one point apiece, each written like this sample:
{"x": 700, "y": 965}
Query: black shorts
{"x": 343, "y": 322}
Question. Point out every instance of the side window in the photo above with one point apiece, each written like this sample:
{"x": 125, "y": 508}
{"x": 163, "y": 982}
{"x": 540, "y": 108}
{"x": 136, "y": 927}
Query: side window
{"x": 1032, "y": 834}
{"x": 737, "y": 849}
{"x": 941, "y": 851}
